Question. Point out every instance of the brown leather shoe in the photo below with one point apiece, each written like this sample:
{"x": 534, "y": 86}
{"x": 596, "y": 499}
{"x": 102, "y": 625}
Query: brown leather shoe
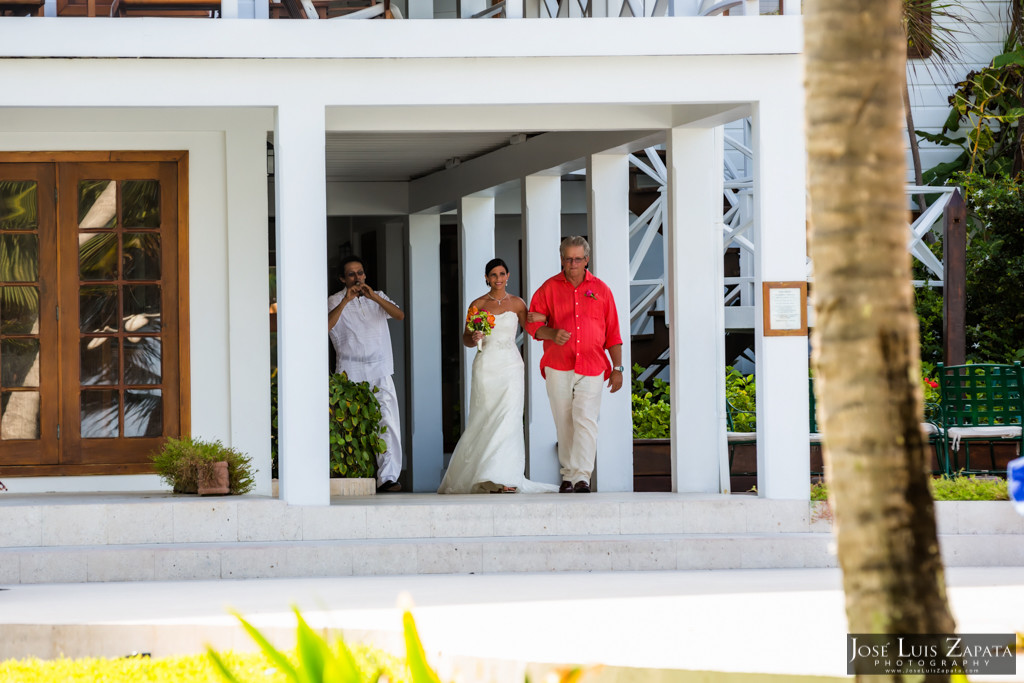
{"x": 581, "y": 487}
{"x": 389, "y": 487}
{"x": 566, "y": 487}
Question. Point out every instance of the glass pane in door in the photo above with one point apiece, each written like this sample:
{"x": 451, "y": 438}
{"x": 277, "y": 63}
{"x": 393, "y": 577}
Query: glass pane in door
{"x": 19, "y": 415}
{"x": 19, "y": 205}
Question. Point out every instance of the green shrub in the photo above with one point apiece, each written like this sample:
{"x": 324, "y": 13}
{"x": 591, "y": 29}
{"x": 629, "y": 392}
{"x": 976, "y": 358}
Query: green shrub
{"x": 180, "y": 462}
{"x": 651, "y": 419}
{"x": 355, "y": 427}
{"x": 741, "y": 392}
{"x": 969, "y": 488}
{"x": 948, "y": 488}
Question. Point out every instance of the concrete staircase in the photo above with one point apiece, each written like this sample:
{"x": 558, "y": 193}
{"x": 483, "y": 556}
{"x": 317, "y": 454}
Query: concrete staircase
{"x": 161, "y": 537}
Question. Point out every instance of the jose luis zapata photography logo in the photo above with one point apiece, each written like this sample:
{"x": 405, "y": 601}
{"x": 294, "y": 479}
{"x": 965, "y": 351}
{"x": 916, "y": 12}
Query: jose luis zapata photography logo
{"x": 976, "y": 654}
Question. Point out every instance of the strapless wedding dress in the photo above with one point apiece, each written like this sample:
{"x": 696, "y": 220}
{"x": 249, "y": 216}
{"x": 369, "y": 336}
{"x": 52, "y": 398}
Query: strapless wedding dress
{"x": 491, "y": 452}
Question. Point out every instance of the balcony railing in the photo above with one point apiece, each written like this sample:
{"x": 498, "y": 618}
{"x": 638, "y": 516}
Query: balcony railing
{"x": 389, "y": 9}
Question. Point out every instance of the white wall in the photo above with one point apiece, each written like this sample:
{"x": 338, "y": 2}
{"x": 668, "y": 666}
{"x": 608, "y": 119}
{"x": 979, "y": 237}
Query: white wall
{"x": 214, "y": 414}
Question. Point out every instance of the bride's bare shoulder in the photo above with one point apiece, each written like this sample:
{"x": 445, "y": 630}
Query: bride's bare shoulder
{"x": 518, "y": 304}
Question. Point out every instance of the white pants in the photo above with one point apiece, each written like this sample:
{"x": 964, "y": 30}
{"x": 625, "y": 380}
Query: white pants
{"x": 576, "y": 404}
{"x": 389, "y": 463}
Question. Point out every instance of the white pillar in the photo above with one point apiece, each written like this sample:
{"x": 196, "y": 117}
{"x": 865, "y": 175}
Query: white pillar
{"x": 424, "y": 325}
{"x": 608, "y": 220}
{"x": 791, "y": 7}
{"x": 476, "y": 248}
{"x": 394, "y": 258}
{"x": 248, "y": 268}
{"x": 542, "y": 233}
{"x": 301, "y": 211}
{"x": 695, "y": 290}
{"x": 229, "y": 9}
{"x": 420, "y": 9}
{"x": 783, "y": 451}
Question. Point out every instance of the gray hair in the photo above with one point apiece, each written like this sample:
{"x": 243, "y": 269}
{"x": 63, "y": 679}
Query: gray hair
{"x": 574, "y": 241}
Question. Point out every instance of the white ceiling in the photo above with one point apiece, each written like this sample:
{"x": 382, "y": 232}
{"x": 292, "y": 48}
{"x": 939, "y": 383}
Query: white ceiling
{"x": 400, "y": 157}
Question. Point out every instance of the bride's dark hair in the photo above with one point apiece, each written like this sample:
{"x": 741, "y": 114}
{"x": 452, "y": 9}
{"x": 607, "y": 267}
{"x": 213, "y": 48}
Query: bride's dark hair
{"x": 494, "y": 263}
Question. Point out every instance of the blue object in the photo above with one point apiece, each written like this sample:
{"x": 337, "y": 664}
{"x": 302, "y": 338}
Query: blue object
{"x": 1015, "y": 483}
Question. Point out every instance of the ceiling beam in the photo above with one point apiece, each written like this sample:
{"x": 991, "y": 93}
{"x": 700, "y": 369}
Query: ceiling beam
{"x": 549, "y": 153}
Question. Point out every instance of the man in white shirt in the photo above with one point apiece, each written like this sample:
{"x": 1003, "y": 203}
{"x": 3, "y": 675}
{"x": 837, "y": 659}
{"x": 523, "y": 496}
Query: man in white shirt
{"x": 357, "y": 322}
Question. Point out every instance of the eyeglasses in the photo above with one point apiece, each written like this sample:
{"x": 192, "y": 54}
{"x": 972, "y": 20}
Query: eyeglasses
{"x": 574, "y": 259}
{"x": 353, "y": 273}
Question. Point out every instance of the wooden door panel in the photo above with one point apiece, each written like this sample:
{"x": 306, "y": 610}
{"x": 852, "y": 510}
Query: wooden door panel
{"x": 118, "y": 244}
{"x": 29, "y": 371}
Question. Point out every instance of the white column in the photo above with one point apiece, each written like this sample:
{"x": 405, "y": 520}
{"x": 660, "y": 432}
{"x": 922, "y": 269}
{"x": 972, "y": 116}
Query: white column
{"x": 394, "y": 257}
{"x": 476, "y": 248}
{"x": 299, "y": 147}
{"x": 420, "y": 9}
{"x": 791, "y": 7}
{"x": 542, "y": 232}
{"x": 423, "y": 317}
{"x": 229, "y": 9}
{"x": 783, "y": 451}
{"x": 248, "y": 268}
{"x": 608, "y": 220}
{"x": 697, "y": 332}
{"x": 261, "y": 9}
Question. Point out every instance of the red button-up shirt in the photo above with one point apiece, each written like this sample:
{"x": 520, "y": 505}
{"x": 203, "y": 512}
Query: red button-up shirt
{"x": 588, "y": 313}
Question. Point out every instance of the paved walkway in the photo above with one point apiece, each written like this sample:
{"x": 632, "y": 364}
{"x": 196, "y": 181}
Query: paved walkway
{"x": 788, "y": 622}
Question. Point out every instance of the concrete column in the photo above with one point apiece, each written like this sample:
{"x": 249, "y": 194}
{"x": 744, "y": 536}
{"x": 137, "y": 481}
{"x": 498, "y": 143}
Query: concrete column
{"x": 476, "y": 248}
{"x": 697, "y": 333}
{"x": 783, "y": 451}
{"x": 542, "y": 232}
{"x": 420, "y": 9}
{"x": 423, "y": 317}
{"x": 229, "y": 9}
{"x": 301, "y": 194}
{"x": 394, "y": 257}
{"x": 608, "y": 220}
{"x": 791, "y": 7}
{"x": 248, "y": 268}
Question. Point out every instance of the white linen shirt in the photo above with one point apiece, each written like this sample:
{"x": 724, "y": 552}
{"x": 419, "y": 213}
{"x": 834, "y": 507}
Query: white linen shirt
{"x": 361, "y": 339}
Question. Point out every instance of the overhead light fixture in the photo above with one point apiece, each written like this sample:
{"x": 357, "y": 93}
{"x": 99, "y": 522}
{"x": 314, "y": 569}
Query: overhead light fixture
{"x": 452, "y": 163}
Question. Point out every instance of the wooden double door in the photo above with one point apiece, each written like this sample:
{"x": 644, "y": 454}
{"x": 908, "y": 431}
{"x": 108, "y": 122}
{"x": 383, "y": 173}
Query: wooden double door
{"x": 90, "y": 314}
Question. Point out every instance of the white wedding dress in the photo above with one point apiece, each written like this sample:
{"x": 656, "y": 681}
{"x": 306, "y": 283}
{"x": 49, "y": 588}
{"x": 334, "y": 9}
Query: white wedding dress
{"x": 491, "y": 452}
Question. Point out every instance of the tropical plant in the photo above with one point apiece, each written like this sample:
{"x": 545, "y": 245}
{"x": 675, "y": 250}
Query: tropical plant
{"x": 273, "y": 420}
{"x": 741, "y": 393}
{"x": 994, "y": 321}
{"x": 182, "y": 462}
{"x": 320, "y": 662}
{"x": 355, "y": 427}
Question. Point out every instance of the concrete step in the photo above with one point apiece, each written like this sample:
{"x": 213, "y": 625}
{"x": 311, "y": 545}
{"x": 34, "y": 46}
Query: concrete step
{"x": 157, "y": 537}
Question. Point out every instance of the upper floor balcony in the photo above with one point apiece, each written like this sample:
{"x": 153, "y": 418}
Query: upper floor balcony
{"x": 395, "y": 9}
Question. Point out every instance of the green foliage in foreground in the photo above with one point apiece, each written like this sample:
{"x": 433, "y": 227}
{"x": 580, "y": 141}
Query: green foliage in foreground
{"x": 245, "y": 668}
{"x": 318, "y": 661}
{"x": 948, "y": 488}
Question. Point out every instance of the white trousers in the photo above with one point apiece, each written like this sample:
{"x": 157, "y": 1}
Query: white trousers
{"x": 389, "y": 463}
{"x": 575, "y": 404}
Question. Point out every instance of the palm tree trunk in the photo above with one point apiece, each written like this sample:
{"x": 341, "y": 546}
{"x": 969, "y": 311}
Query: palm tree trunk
{"x": 865, "y": 339}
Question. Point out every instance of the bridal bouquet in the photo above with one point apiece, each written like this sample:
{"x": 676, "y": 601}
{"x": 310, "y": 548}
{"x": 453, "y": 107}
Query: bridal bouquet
{"x": 479, "y": 321}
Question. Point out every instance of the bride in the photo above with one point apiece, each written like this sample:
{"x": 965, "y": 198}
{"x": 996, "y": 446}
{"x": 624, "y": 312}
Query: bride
{"x": 491, "y": 455}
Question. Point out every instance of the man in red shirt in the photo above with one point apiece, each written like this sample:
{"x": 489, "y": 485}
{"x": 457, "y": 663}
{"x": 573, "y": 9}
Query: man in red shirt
{"x": 574, "y": 314}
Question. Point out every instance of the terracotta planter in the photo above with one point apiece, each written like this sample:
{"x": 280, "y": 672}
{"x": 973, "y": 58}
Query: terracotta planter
{"x": 213, "y": 479}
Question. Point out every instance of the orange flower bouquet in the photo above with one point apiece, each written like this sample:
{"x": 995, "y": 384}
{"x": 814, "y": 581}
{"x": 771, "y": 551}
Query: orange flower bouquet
{"x": 479, "y": 321}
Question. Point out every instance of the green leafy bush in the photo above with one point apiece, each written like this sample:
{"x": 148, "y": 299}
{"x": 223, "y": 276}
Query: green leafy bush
{"x": 181, "y": 461}
{"x": 355, "y": 427}
{"x": 741, "y": 392}
{"x": 652, "y": 414}
{"x": 948, "y": 488}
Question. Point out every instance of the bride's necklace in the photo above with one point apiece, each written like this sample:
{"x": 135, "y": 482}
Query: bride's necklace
{"x": 499, "y": 301}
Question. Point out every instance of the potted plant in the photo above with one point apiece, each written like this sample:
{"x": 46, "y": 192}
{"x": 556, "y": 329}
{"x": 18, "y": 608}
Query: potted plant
{"x": 187, "y": 463}
{"x": 355, "y": 428}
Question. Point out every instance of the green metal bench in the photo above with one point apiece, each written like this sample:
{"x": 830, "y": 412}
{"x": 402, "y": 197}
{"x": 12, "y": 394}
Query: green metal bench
{"x": 983, "y": 402}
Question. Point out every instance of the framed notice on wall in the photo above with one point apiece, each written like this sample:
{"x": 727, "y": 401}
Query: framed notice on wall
{"x": 785, "y": 309}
